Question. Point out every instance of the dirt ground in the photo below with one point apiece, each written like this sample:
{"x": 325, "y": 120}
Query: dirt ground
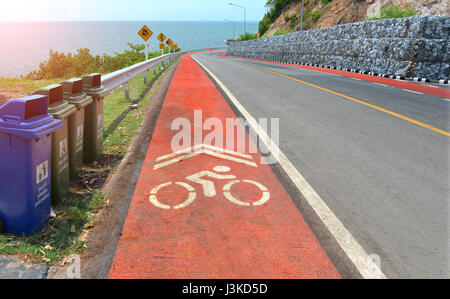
{"x": 119, "y": 189}
{"x": 334, "y": 13}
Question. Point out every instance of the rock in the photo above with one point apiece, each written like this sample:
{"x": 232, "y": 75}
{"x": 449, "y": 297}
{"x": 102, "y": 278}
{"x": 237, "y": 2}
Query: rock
{"x": 12, "y": 268}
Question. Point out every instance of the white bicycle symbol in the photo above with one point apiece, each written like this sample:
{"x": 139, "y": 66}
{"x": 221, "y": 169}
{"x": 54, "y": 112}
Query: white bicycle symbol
{"x": 209, "y": 189}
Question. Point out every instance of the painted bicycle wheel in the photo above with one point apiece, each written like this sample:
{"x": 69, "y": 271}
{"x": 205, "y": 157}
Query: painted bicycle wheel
{"x": 265, "y": 193}
{"x": 154, "y": 199}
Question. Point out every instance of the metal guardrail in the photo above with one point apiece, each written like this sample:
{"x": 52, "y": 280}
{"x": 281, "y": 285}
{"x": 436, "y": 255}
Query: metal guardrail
{"x": 121, "y": 77}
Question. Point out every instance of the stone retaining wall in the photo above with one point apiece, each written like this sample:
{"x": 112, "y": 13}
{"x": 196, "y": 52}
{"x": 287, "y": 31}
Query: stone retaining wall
{"x": 412, "y": 47}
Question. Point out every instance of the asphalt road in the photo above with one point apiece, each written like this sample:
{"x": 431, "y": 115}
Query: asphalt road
{"x": 384, "y": 177}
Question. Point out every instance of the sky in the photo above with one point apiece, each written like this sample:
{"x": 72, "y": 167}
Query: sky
{"x": 129, "y": 10}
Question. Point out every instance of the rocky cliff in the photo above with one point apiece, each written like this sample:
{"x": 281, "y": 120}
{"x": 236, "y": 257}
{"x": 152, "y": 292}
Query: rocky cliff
{"x": 325, "y": 13}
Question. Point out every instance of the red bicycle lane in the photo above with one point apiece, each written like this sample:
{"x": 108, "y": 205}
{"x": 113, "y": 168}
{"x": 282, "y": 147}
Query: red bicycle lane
{"x": 240, "y": 225}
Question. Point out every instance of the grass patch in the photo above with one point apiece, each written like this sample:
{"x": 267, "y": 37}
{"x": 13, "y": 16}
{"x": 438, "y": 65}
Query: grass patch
{"x": 281, "y": 32}
{"x": 24, "y": 86}
{"x": 389, "y": 12}
{"x": 122, "y": 123}
{"x": 63, "y": 235}
{"x": 17, "y": 88}
{"x": 67, "y": 231}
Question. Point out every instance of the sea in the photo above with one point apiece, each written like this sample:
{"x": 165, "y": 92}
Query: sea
{"x": 24, "y": 45}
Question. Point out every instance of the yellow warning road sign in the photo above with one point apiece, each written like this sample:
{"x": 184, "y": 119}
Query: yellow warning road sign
{"x": 162, "y": 37}
{"x": 145, "y": 33}
{"x": 162, "y": 46}
{"x": 169, "y": 42}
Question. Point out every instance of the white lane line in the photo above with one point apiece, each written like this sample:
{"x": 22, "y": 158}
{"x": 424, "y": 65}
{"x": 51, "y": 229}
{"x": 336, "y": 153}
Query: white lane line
{"x": 355, "y": 78}
{"x": 362, "y": 261}
{"x": 448, "y": 100}
{"x": 412, "y": 91}
{"x": 384, "y": 85}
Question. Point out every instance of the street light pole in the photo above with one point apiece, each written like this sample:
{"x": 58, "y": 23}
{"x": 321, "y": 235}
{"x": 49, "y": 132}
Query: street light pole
{"x": 245, "y": 16}
{"x": 245, "y": 20}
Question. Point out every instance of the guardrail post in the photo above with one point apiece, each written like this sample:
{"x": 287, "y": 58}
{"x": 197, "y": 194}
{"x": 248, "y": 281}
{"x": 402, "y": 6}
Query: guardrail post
{"x": 145, "y": 77}
{"x": 127, "y": 91}
{"x": 154, "y": 70}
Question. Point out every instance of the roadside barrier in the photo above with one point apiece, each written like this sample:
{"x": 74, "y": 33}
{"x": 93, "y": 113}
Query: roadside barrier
{"x": 45, "y": 139}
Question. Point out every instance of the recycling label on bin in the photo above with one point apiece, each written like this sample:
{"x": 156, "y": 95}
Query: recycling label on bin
{"x": 100, "y": 126}
{"x": 79, "y": 144}
{"x": 41, "y": 172}
{"x": 63, "y": 155}
{"x": 43, "y": 191}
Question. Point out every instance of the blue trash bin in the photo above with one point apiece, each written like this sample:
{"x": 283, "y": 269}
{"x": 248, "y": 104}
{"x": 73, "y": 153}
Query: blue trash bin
{"x": 25, "y": 163}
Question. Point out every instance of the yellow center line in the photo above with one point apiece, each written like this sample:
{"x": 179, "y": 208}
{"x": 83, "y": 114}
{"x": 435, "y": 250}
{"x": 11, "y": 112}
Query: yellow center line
{"x": 356, "y": 100}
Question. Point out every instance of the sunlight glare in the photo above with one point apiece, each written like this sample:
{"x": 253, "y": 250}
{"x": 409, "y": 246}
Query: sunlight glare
{"x": 42, "y": 10}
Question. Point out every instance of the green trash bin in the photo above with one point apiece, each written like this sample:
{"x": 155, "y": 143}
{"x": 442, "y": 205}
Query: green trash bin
{"x": 73, "y": 94}
{"x": 93, "y": 121}
{"x": 61, "y": 110}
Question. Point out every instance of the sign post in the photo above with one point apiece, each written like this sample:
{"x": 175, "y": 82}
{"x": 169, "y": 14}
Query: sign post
{"x": 162, "y": 38}
{"x": 146, "y": 51}
{"x": 145, "y": 33}
{"x": 174, "y": 47}
{"x": 169, "y": 42}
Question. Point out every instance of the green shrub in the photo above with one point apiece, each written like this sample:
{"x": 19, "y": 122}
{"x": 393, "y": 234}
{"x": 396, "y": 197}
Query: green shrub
{"x": 325, "y": 2}
{"x": 316, "y": 13}
{"x": 276, "y": 7}
{"x": 292, "y": 20}
{"x": 247, "y": 36}
{"x": 61, "y": 65}
{"x": 264, "y": 25}
{"x": 395, "y": 12}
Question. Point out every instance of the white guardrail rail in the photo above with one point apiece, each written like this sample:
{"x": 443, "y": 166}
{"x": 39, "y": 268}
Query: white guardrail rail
{"x": 121, "y": 77}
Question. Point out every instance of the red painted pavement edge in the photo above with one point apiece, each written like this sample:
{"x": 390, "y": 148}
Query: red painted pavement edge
{"x": 213, "y": 237}
{"x": 436, "y": 91}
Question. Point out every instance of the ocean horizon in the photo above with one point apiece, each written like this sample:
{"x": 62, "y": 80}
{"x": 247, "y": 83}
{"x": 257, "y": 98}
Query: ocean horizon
{"x": 26, "y": 44}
